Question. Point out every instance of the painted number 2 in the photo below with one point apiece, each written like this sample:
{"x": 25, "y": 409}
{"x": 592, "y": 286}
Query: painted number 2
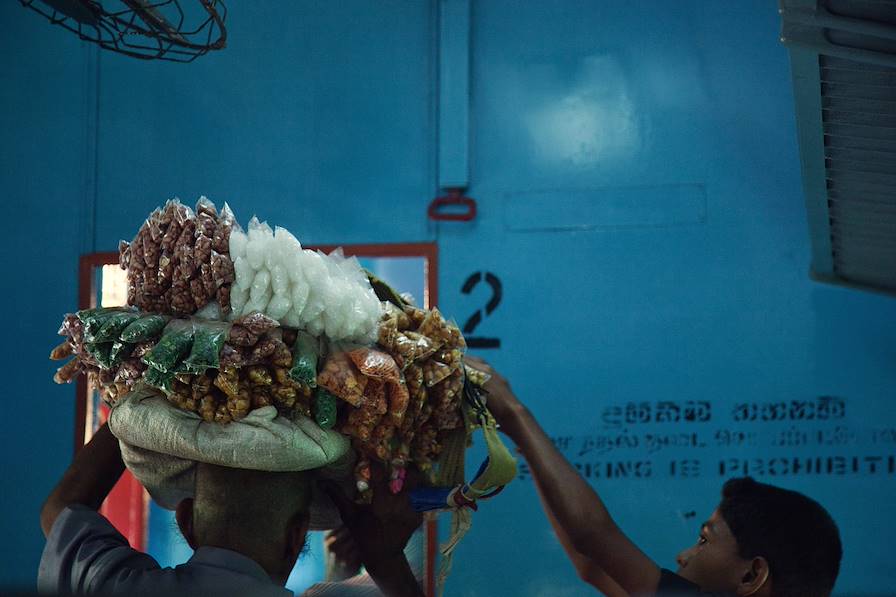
{"x": 476, "y": 318}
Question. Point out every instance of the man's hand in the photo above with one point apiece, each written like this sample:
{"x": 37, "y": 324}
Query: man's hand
{"x": 345, "y": 557}
{"x": 381, "y": 530}
{"x": 501, "y": 401}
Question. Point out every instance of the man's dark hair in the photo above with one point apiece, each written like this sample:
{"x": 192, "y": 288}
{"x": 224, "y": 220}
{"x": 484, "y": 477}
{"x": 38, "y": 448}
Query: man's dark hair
{"x": 794, "y": 533}
{"x": 250, "y": 511}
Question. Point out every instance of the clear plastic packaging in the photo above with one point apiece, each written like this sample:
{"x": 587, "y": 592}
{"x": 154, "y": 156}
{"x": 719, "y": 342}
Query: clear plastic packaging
{"x": 183, "y": 252}
{"x": 63, "y": 350}
{"x": 342, "y": 379}
{"x": 316, "y": 279}
{"x": 197, "y": 292}
{"x": 223, "y": 271}
{"x": 231, "y": 356}
{"x": 210, "y": 285}
{"x": 335, "y": 318}
{"x": 476, "y": 377}
{"x": 376, "y": 364}
{"x": 351, "y": 268}
{"x": 435, "y": 328}
{"x": 68, "y": 372}
{"x": 279, "y": 306}
{"x": 259, "y": 240}
{"x": 387, "y": 334}
{"x": 279, "y": 279}
{"x": 315, "y": 326}
{"x": 124, "y": 254}
{"x": 165, "y": 274}
{"x": 291, "y": 319}
{"x": 257, "y": 323}
{"x": 372, "y": 307}
{"x": 202, "y": 248}
{"x": 434, "y": 372}
{"x": 412, "y": 346}
{"x": 265, "y": 348}
{"x": 204, "y": 207}
{"x": 210, "y": 311}
{"x": 182, "y": 301}
{"x": 299, "y": 291}
{"x": 238, "y": 242}
{"x": 239, "y": 296}
{"x": 260, "y": 291}
{"x": 222, "y": 297}
{"x": 286, "y": 248}
{"x": 241, "y": 336}
{"x": 415, "y": 315}
{"x": 226, "y": 223}
{"x": 399, "y": 398}
{"x": 337, "y": 296}
{"x": 259, "y": 305}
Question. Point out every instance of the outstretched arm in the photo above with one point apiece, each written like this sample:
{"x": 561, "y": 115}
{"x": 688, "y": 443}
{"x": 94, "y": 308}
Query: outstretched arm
{"x": 583, "y": 523}
{"x": 588, "y": 571}
{"x": 88, "y": 480}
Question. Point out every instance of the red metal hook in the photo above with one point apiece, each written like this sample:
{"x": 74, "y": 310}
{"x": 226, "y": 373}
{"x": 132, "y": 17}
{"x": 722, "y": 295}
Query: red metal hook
{"x": 454, "y": 197}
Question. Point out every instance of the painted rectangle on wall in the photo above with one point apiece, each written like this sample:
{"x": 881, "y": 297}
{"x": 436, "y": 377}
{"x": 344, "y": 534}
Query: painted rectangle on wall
{"x": 585, "y": 209}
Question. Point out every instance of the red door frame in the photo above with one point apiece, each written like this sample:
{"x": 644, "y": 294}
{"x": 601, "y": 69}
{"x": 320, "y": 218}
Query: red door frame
{"x": 127, "y": 505}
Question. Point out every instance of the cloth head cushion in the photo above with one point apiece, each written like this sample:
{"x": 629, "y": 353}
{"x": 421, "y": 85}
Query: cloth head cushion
{"x": 161, "y": 445}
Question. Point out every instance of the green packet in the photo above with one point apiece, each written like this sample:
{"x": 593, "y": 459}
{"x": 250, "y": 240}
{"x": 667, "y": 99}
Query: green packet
{"x": 113, "y": 326}
{"x": 144, "y": 328}
{"x": 305, "y": 352}
{"x": 93, "y": 319}
{"x": 208, "y": 338}
{"x": 101, "y": 352}
{"x": 176, "y": 342}
{"x": 119, "y": 352}
{"x": 159, "y": 379}
{"x": 325, "y": 408}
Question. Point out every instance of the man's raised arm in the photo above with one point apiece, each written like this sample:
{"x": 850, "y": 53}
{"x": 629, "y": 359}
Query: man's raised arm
{"x": 381, "y": 530}
{"x": 88, "y": 480}
{"x": 578, "y": 514}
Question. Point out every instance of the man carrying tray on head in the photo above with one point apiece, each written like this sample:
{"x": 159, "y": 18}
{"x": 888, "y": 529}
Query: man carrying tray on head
{"x": 247, "y": 527}
{"x": 261, "y": 389}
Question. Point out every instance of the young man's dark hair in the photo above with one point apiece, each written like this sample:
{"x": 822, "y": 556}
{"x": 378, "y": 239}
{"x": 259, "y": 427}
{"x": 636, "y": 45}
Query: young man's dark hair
{"x": 794, "y": 533}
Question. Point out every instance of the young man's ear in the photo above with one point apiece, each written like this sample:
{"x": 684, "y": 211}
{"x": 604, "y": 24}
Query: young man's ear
{"x": 184, "y": 516}
{"x": 296, "y": 536}
{"x": 755, "y": 579}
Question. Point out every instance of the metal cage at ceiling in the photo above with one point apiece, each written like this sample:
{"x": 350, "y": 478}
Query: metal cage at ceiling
{"x": 843, "y": 56}
{"x": 145, "y": 29}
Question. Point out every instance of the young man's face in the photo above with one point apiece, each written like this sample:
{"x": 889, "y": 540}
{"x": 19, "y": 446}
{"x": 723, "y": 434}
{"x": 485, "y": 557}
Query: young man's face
{"x": 713, "y": 562}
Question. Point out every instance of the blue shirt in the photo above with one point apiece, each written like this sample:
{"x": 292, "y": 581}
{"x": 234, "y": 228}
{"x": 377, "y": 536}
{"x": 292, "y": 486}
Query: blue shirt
{"x": 85, "y": 554}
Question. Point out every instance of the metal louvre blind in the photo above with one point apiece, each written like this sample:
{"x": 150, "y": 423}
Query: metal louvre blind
{"x": 859, "y": 120}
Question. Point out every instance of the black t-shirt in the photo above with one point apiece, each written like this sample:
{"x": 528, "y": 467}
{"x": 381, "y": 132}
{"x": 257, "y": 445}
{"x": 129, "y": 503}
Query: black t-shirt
{"x": 672, "y": 585}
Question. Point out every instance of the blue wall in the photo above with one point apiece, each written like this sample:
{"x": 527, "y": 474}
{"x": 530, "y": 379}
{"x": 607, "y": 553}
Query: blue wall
{"x": 640, "y": 201}
{"x": 43, "y": 104}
